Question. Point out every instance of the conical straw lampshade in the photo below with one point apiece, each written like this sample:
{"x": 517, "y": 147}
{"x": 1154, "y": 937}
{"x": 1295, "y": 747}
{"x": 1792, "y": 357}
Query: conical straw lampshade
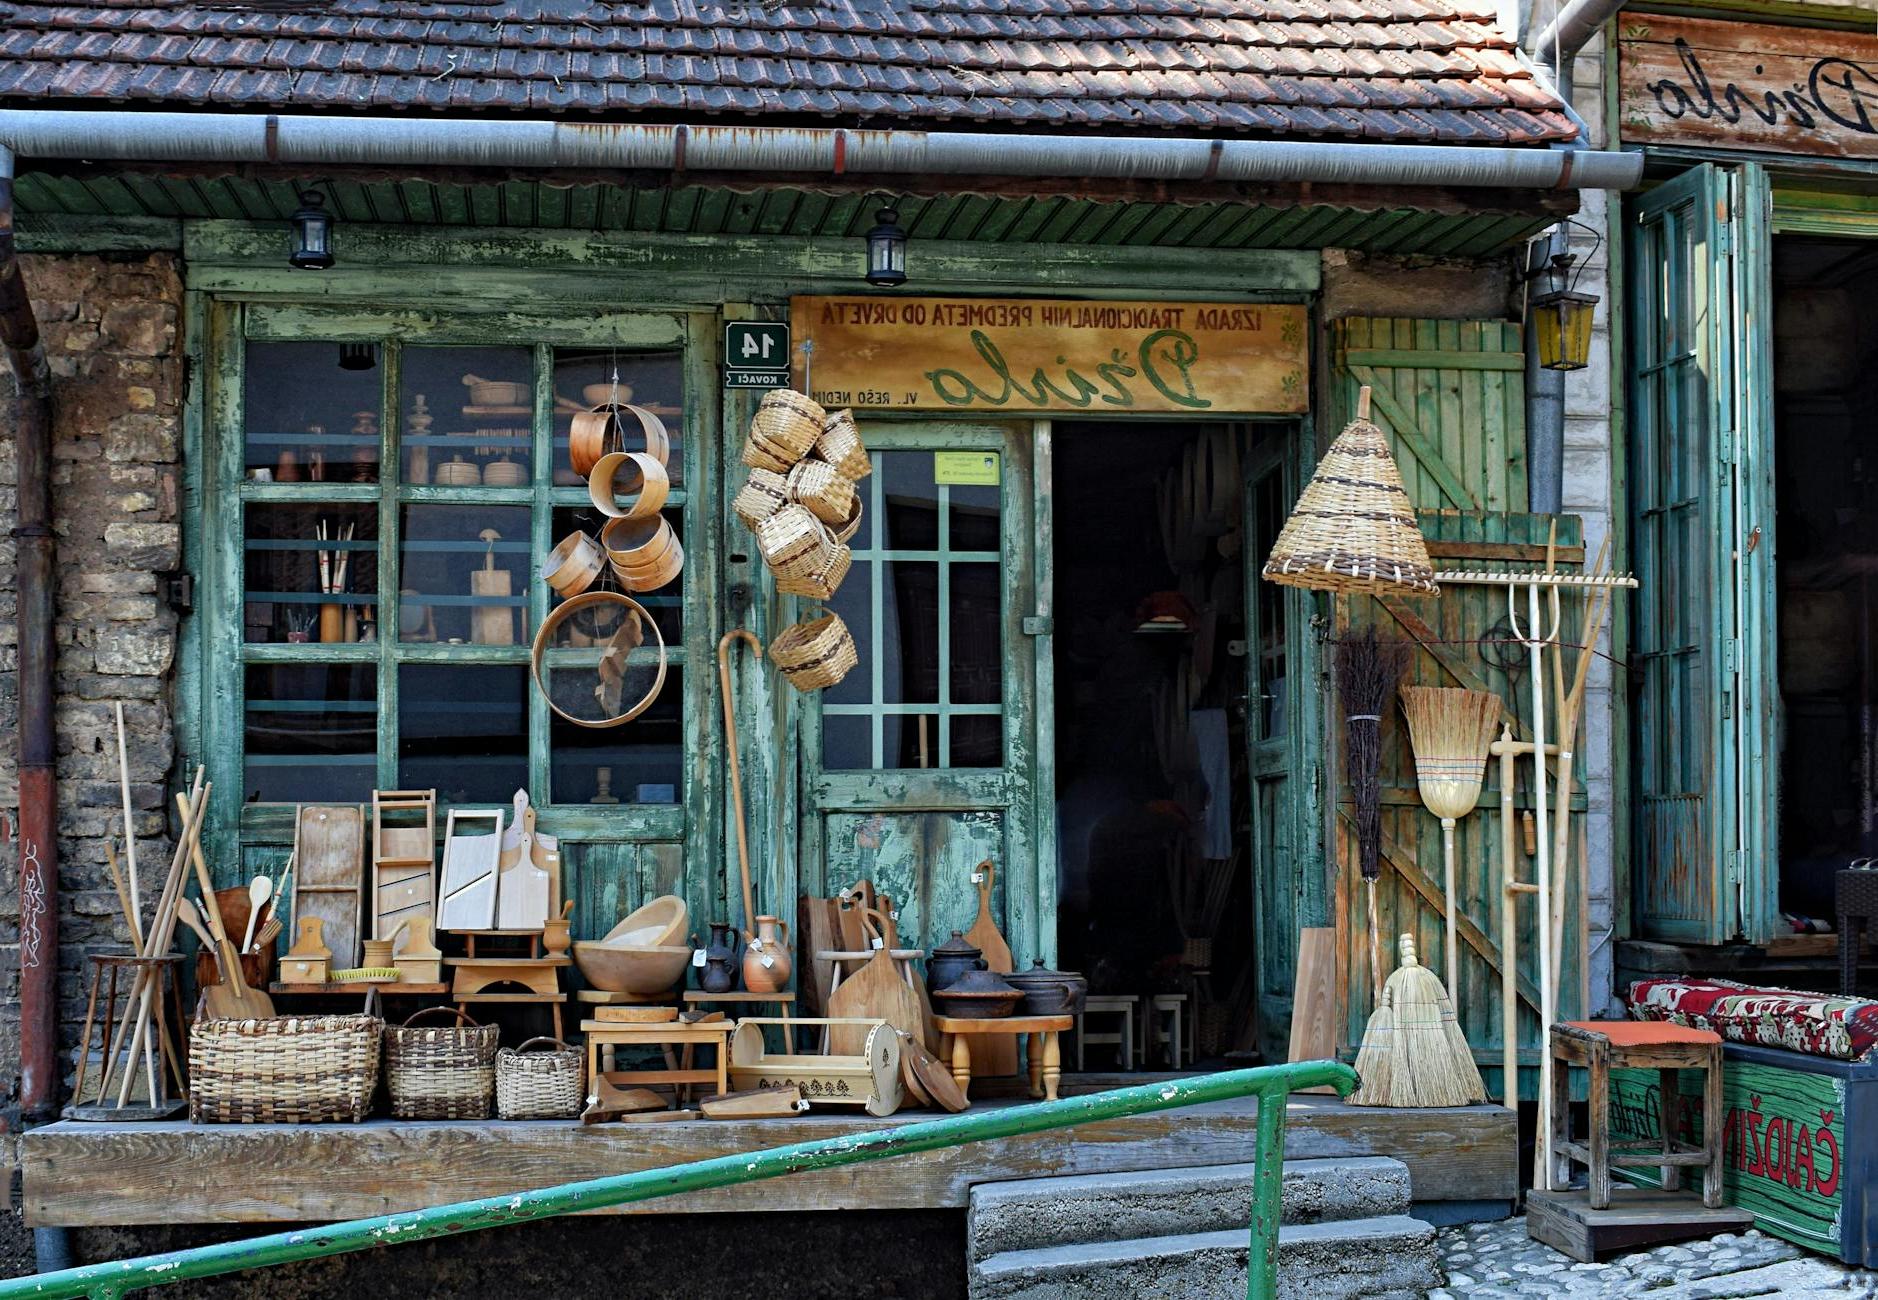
{"x": 1354, "y": 529}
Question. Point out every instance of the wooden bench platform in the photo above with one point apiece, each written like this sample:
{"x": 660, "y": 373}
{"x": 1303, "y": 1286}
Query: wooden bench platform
{"x": 96, "y": 1175}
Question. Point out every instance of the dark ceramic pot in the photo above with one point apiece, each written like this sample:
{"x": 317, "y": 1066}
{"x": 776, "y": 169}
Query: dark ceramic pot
{"x": 1050, "y": 992}
{"x": 720, "y": 960}
{"x": 978, "y": 995}
{"x": 951, "y": 961}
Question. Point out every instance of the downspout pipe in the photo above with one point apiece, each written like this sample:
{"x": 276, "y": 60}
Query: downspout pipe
{"x": 38, "y": 792}
{"x": 1571, "y": 27}
{"x": 479, "y": 142}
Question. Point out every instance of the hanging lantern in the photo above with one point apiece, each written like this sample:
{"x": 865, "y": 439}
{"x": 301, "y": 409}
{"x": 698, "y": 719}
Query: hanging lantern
{"x": 886, "y": 249}
{"x": 312, "y": 233}
{"x": 1562, "y": 321}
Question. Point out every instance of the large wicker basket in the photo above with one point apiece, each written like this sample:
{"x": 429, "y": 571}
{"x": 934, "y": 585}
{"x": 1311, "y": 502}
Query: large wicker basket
{"x": 540, "y": 1085}
{"x": 840, "y": 445}
{"x": 289, "y": 1070}
{"x": 815, "y": 653}
{"x": 441, "y": 1071}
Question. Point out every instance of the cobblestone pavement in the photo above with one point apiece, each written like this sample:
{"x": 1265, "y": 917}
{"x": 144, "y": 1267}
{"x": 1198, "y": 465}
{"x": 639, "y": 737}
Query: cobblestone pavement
{"x": 1497, "y": 1261}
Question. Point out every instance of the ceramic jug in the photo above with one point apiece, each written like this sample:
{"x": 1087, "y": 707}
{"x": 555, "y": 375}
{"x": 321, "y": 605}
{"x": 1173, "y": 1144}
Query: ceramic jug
{"x": 771, "y": 976}
{"x": 720, "y": 960}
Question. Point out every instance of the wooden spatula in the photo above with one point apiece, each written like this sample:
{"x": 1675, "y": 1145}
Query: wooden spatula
{"x": 232, "y": 999}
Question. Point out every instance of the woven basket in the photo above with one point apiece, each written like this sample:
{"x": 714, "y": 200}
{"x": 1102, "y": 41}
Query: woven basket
{"x": 840, "y": 445}
{"x": 819, "y": 486}
{"x": 825, "y": 580}
{"x": 1354, "y": 528}
{"x": 815, "y": 653}
{"x": 758, "y": 456}
{"x": 540, "y": 1085}
{"x": 441, "y": 1071}
{"x": 762, "y": 495}
{"x": 793, "y": 542}
{"x": 289, "y": 1070}
{"x": 846, "y": 532}
{"x": 786, "y": 425}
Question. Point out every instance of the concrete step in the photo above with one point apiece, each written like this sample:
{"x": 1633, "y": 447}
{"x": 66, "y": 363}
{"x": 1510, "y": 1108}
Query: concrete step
{"x": 1389, "y": 1257}
{"x": 1040, "y": 1212}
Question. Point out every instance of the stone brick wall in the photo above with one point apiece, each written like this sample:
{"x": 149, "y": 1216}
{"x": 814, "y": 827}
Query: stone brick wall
{"x": 113, "y": 333}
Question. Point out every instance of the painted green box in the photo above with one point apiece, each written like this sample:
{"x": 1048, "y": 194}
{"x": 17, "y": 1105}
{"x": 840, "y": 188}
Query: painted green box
{"x": 1801, "y": 1143}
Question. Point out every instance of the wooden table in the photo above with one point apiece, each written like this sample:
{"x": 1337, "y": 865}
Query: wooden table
{"x": 471, "y": 977}
{"x": 1046, "y": 1060}
{"x": 605, "y": 1035}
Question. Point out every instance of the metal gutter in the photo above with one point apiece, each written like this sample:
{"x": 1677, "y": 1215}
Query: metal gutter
{"x": 481, "y": 142}
{"x": 1572, "y": 26}
{"x": 38, "y": 792}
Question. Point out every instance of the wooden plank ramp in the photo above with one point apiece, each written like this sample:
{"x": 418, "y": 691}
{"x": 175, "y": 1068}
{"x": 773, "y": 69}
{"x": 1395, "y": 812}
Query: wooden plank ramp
{"x": 97, "y": 1175}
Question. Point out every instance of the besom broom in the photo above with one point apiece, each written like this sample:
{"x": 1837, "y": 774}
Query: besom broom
{"x": 1413, "y": 1052}
{"x": 1450, "y": 730}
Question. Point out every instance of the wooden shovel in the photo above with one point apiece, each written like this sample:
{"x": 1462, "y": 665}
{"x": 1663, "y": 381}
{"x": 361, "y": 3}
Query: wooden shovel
{"x": 875, "y": 992}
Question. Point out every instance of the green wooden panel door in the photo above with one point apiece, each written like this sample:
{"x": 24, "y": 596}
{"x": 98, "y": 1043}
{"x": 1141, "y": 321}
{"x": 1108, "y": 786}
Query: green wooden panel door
{"x": 922, "y": 762}
{"x": 1699, "y": 481}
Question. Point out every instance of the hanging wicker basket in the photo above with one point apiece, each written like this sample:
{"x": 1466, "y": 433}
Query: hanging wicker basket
{"x": 441, "y": 1071}
{"x": 815, "y": 653}
{"x": 1353, "y": 530}
{"x": 540, "y": 1085}
{"x": 819, "y": 486}
{"x": 826, "y": 579}
{"x": 762, "y": 495}
{"x": 840, "y": 445}
{"x": 785, "y": 426}
{"x": 852, "y": 525}
{"x": 793, "y": 541}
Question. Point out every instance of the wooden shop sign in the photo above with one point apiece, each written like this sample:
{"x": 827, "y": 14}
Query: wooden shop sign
{"x": 1023, "y": 355}
{"x": 1793, "y": 90}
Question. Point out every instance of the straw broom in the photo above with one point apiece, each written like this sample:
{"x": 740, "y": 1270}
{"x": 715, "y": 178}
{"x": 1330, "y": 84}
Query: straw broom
{"x": 1367, "y": 672}
{"x": 1413, "y": 1052}
{"x": 1450, "y": 731}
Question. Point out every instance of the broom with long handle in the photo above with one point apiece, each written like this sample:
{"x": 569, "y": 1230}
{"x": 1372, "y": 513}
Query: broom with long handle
{"x": 1450, "y": 731}
{"x": 1367, "y": 672}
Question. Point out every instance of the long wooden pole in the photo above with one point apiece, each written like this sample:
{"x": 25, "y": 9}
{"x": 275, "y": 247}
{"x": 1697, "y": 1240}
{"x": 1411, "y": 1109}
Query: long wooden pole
{"x": 130, "y": 830}
{"x": 736, "y": 769}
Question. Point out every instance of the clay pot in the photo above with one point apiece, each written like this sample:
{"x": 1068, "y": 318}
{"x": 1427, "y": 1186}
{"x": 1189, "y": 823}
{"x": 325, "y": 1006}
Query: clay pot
{"x": 978, "y": 995}
{"x": 720, "y": 960}
{"x": 774, "y": 977}
{"x": 1049, "y": 992}
{"x": 951, "y": 961}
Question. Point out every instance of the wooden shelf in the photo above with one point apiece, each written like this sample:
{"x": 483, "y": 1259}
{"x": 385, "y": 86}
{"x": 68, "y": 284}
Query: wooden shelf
{"x": 544, "y": 999}
{"x": 699, "y": 995}
{"x": 358, "y": 988}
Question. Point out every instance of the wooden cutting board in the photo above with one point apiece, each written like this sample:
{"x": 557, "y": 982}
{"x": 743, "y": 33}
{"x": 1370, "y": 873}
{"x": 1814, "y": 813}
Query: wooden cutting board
{"x": 993, "y": 1054}
{"x": 524, "y": 891}
{"x": 329, "y": 874}
{"x": 852, "y": 926}
{"x": 928, "y": 1078}
{"x": 1314, "y": 999}
{"x": 877, "y": 991}
{"x": 820, "y": 931}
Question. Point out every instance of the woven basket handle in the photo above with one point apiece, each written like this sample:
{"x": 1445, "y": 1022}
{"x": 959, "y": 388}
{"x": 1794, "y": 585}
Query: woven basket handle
{"x": 463, "y": 1017}
{"x": 544, "y": 1038}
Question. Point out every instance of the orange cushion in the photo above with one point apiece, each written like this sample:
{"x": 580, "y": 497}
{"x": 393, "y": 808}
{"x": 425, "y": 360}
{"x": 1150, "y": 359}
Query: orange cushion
{"x": 1644, "y": 1033}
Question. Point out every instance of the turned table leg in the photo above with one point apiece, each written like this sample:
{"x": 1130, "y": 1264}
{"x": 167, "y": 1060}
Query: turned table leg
{"x": 1033, "y": 1051}
{"x": 1052, "y": 1065}
{"x": 962, "y": 1062}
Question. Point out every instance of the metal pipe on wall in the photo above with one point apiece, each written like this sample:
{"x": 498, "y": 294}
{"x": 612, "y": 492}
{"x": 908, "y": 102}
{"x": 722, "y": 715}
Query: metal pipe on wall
{"x": 1545, "y": 397}
{"x": 38, "y": 792}
{"x": 476, "y": 142}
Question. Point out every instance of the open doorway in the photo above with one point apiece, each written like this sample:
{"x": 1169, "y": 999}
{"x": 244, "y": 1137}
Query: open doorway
{"x": 1826, "y": 499}
{"x": 1154, "y": 887}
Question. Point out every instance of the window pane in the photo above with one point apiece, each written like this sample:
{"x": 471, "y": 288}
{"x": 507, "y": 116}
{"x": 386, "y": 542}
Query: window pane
{"x": 641, "y": 761}
{"x": 847, "y": 742}
{"x": 666, "y": 603}
{"x": 311, "y": 732}
{"x": 977, "y": 634}
{"x": 311, "y": 571}
{"x": 310, "y": 418}
{"x": 466, "y": 571}
{"x": 854, "y": 601}
{"x": 583, "y": 378}
{"x": 977, "y": 740}
{"x": 463, "y": 731}
{"x": 974, "y": 516}
{"x": 909, "y": 632}
{"x": 911, "y": 500}
{"x": 912, "y": 740}
{"x": 467, "y": 416}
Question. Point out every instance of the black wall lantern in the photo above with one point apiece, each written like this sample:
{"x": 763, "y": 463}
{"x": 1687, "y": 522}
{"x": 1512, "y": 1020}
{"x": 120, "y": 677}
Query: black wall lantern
{"x": 312, "y": 233}
{"x": 1561, "y": 318}
{"x": 886, "y": 249}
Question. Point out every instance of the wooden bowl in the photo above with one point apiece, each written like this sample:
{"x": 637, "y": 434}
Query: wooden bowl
{"x": 655, "y": 925}
{"x": 616, "y": 968}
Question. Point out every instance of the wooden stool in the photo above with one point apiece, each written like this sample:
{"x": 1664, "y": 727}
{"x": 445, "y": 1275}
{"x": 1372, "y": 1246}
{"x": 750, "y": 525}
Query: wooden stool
{"x": 609, "y": 1034}
{"x": 1046, "y": 1060}
{"x": 1124, "y": 1041}
{"x": 167, "y": 1014}
{"x": 783, "y": 1000}
{"x": 1603, "y": 1045}
{"x": 1161, "y": 1022}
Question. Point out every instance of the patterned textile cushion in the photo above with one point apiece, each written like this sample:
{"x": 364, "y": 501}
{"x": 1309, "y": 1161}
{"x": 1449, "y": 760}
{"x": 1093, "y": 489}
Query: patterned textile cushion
{"x": 1819, "y": 1024}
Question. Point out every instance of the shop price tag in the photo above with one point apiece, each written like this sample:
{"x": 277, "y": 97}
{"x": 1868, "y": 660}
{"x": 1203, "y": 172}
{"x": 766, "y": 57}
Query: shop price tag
{"x": 697, "y": 958}
{"x": 756, "y": 945}
{"x": 768, "y": 961}
{"x": 978, "y": 877}
{"x": 878, "y": 942}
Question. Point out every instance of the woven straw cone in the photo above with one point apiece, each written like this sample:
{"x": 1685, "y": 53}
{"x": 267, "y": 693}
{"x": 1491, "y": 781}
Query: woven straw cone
{"x": 757, "y": 455}
{"x": 815, "y": 653}
{"x": 819, "y": 486}
{"x": 840, "y": 445}
{"x": 1354, "y": 529}
{"x": 762, "y": 495}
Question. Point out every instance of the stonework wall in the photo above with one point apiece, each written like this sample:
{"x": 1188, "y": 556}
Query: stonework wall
{"x": 113, "y": 334}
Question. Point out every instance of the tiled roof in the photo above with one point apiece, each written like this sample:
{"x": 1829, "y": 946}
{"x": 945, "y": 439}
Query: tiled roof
{"x": 1409, "y": 70}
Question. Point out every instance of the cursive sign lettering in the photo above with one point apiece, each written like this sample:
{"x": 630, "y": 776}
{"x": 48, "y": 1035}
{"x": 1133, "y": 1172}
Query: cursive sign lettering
{"x": 1164, "y": 358}
{"x": 1747, "y": 86}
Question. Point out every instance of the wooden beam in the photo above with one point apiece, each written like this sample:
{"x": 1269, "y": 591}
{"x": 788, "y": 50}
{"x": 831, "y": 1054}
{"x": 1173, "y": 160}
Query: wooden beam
{"x": 52, "y": 233}
{"x": 96, "y": 1175}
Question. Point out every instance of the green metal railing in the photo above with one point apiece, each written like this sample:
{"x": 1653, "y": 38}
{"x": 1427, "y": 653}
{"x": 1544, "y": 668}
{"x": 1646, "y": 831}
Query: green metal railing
{"x": 1270, "y": 1084}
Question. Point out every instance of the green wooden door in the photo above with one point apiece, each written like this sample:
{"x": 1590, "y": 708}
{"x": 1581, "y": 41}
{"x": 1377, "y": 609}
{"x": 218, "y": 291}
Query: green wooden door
{"x": 1285, "y": 764}
{"x": 1702, "y": 658}
{"x": 923, "y": 761}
